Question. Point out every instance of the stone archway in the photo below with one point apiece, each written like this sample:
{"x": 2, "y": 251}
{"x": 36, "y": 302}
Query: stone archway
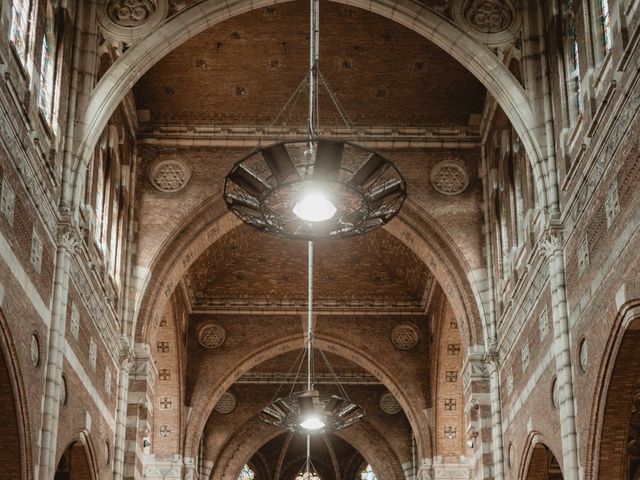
{"x": 75, "y": 462}
{"x": 477, "y": 58}
{"x": 337, "y": 346}
{"x": 542, "y": 464}
{"x": 15, "y": 444}
{"x": 614, "y": 443}
{"x": 211, "y": 221}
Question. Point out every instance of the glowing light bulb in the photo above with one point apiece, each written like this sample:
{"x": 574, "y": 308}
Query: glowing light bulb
{"x": 312, "y": 423}
{"x": 314, "y": 207}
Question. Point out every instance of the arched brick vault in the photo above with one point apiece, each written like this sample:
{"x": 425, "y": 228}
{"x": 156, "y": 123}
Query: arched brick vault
{"x": 254, "y": 434}
{"x": 15, "y": 388}
{"x": 82, "y": 440}
{"x": 211, "y": 389}
{"x": 619, "y": 380}
{"x": 208, "y": 223}
{"x": 190, "y": 21}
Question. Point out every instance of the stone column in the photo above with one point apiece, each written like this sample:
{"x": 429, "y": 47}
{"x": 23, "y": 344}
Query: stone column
{"x": 552, "y": 245}
{"x": 475, "y": 377}
{"x": 424, "y": 470}
{"x": 126, "y": 362}
{"x": 142, "y": 377}
{"x": 496, "y": 417}
{"x": 66, "y": 244}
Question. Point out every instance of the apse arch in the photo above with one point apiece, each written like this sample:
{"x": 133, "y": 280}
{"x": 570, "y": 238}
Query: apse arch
{"x": 13, "y": 405}
{"x": 78, "y": 461}
{"x": 620, "y": 373}
{"x": 253, "y": 435}
{"x": 208, "y": 223}
{"x": 197, "y": 420}
{"x": 193, "y": 19}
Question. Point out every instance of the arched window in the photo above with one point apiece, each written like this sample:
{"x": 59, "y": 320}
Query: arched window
{"x": 19, "y": 29}
{"x": 367, "y": 474}
{"x": 246, "y": 473}
{"x": 48, "y": 64}
{"x": 571, "y": 60}
{"x": 605, "y": 25}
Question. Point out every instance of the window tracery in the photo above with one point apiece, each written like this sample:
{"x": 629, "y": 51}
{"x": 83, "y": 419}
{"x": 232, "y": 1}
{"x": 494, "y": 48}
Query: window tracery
{"x": 246, "y": 473}
{"x": 572, "y": 61}
{"x": 367, "y": 473}
{"x": 605, "y": 25}
{"x": 19, "y": 27}
{"x": 47, "y": 65}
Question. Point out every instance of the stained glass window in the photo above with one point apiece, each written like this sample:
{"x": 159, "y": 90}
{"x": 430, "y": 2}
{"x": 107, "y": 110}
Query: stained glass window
{"x": 246, "y": 473}
{"x": 572, "y": 60}
{"x": 20, "y": 26}
{"x": 367, "y": 474}
{"x": 47, "y": 65}
{"x": 605, "y": 19}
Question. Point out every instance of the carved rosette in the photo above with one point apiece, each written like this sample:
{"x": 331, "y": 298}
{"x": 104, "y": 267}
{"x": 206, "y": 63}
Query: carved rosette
{"x": 493, "y": 22}
{"x": 127, "y": 21}
{"x": 449, "y": 175}
{"x": 169, "y": 175}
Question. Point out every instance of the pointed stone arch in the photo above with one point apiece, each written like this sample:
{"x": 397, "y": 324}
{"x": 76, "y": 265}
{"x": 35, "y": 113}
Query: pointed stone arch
{"x": 538, "y": 460}
{"x": 190, "y": 21}
{"x": 77, "y": 461}
{"x": 617, "y": 394}
{"x": 16, "y": 451}
{"x": 332, "y": 344}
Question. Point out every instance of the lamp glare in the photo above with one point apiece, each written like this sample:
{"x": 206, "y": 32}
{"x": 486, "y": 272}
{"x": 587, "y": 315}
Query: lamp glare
{"x": 314, "y": 207}
{"x": 312, "y": 423}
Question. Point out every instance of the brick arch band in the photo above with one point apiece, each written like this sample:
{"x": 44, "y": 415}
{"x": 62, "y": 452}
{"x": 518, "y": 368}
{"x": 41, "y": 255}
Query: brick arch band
{"x": 211, "y": 221}
{"x": 252, "y": 435}
{"x": 619, "y": 380}
{"x": 200, "y": 413}
{"x": 82, "y": 456}
{"x": 188, "y": 22}
{"x": 16, "y": 451}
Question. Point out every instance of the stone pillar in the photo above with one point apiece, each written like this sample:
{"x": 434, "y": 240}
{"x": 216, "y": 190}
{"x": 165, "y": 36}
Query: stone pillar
{"x": 462, "y": 470}
{"x": 496, "y": 417}
{"x": 142, "y": 377}
{"x": 424, "y": 469}
{"x": 66, "y": 244}
{"x": 126, "y": 362}
{"x": 552, "y": 245}
{"x": 475, "y": 377}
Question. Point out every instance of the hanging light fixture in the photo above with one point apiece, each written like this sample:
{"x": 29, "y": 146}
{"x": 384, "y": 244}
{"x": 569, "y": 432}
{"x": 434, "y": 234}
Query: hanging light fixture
{"x": 308, "y": 411}
{"x": 315, "y": 187}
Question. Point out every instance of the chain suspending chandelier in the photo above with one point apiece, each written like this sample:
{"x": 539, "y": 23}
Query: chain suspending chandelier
{"x": 314, "y": 188}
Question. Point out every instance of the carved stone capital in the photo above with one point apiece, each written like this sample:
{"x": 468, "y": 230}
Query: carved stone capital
{"x": 551, "y": 242}
{"x": 68, "y": 238}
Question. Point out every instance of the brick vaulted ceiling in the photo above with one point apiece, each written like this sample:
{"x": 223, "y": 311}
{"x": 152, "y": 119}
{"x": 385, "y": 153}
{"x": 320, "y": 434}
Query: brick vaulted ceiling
{"x": 246, "y": 266}
{"x": 243, "y": 70}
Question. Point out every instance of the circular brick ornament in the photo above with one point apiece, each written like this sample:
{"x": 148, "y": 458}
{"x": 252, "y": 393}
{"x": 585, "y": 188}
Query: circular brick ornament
{"x": 583, "y": 355}
{"x": 405, "y": 336}
{"x": 169, "y": 175}
{"x": 510, "y": 456}
{"x": 35, "y": 350}
{"x": 449, "y": 176}
{"x": 226, "y": 404}
{"x": 107, "y": 452}
{"x": 389, "y": 404}
{"x": 212, "y": 336}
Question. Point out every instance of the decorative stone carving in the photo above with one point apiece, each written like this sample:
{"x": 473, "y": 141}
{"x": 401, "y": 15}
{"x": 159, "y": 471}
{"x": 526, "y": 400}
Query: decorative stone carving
{"x": 165, "y": 430}
{"x": 226, "y": 404}
{"x": 583, "y": 355}
{"x": 583, "y": 256}
{"x": 493, "y": 22}
{"x": 612, "y": 204}
{"x": 449, "y": 176}
{"x": 510, "y": 383}
{"x": 551, "y": 243}
{"x": 555, "y": 394}
{"x": 127, "y": 21}
{"x": 169, "y": 175}
{"x": 405, "y": 336}
{"x": 389, "y": 404}
{"x": 543, "y": 323}
{"x": 35, "y": 350}
{"x": 63, "y": 391}
{"x": 212, "y": 335}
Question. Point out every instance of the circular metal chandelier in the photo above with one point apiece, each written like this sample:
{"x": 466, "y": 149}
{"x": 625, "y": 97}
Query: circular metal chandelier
{"x": 314, "y": 188}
